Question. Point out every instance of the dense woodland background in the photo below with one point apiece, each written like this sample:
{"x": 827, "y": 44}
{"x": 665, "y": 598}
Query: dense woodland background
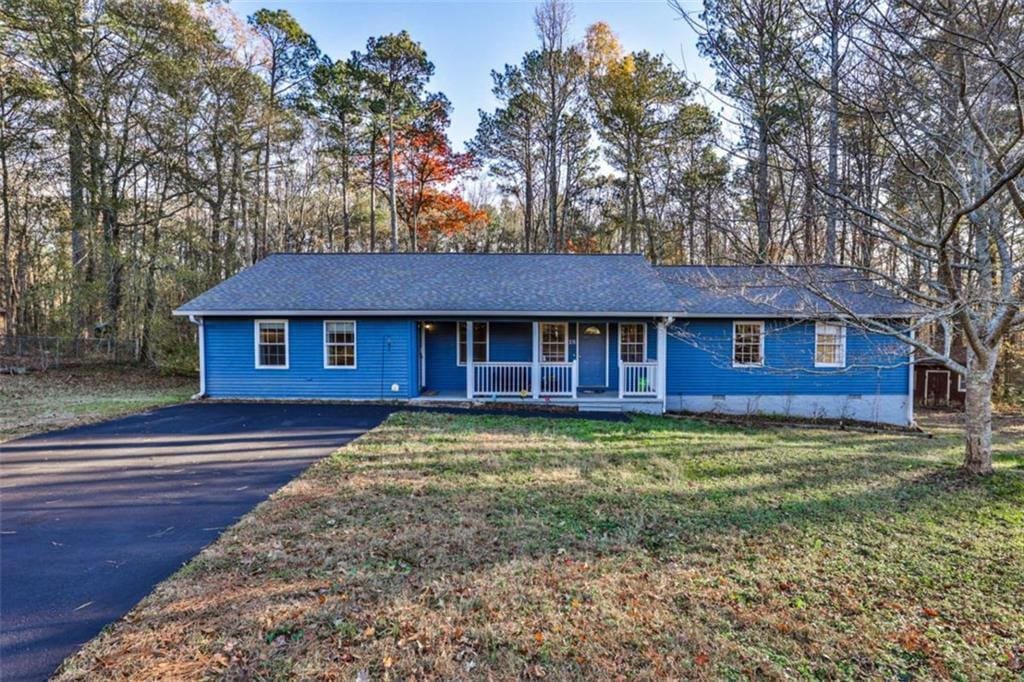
{"x": 150, "y": 149}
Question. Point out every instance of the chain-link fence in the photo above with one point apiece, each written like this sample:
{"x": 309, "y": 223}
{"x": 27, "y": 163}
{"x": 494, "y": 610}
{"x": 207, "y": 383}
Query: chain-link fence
{"x": 42, "y": 352}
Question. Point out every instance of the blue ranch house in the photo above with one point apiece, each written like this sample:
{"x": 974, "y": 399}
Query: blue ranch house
{"x": 600, "y": 332}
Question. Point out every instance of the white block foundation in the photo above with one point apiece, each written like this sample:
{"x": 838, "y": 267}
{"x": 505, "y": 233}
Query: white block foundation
{"x": 882, "y": 409}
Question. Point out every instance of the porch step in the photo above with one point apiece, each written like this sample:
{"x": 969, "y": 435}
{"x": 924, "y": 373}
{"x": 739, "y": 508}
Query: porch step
{"x": 600, "y": 406}
{"x": 644, "y": 406}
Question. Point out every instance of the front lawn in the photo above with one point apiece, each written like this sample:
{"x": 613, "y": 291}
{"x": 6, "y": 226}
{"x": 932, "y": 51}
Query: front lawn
{"x": 68, "y": 396}
{"x": 499, "y": 547}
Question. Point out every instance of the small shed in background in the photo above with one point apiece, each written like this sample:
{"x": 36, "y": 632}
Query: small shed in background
{"x": 936, "y": 385}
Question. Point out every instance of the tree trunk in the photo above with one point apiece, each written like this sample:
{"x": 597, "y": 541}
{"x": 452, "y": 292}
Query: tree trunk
{"x": 265, "y": 210}
{"x": 562, "y": 239}
{"x": 265, "y": 203}
{"x": 808, "y": 209}
{"x": 708, "y": 250}
{"x": 978, "y": 421}
{"x": 761, "y": 198}
{"x": 346, "y": 218}
{"x": 391, "y": 181}
{"x": 528, "y": 209}
{"x": 214, "y": 258}
{"x": 373, "y": 192}
{"x": 150, "y": 297}
{"x": 833, "y": 132}
{"x": 7, "y": 278}
{"x": 113, "y": 263}
{"x": 652, "y": 248}
{"x": 77, "y": 182}
{"x": 528, "y": 179}
{"x": 691, "y": 242}
{"x": 552, "y": 183}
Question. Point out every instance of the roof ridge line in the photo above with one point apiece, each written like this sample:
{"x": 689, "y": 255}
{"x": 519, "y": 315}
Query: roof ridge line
{"x": 445, "y": 253}
{"x": 763, "y": 265}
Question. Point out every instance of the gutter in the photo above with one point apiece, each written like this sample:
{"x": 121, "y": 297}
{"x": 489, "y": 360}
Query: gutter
{"x": 555, "y": 314}
{"x": 558, "y": 315}
{"x": 201, "y": 332}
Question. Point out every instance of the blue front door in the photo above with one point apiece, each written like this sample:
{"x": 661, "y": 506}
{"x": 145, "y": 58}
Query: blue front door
{"x": 592, "y": 354}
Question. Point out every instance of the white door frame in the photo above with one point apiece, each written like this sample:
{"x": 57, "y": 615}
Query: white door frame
{"x": 423, "y": 356}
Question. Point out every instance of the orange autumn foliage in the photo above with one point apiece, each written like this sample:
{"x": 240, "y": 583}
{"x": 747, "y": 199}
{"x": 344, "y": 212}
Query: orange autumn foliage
{"x": 446, "y": 214}
{"x": 425, "y": 166}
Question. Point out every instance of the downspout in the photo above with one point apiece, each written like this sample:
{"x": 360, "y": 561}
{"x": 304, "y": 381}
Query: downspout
{"x": 663, "y": 360}
{"x": 201, "y": 331}
{"x": 910, "y": 383}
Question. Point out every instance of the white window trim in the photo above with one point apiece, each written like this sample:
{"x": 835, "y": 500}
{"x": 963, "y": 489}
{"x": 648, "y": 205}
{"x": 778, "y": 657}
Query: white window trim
{"x": 960, "y": 383}
{"x": 760, "y": 324}
{"x": 355, "y": 346}
{"x": 842, "y": 344}
{"x": 256, "y": 343}
{"x": 458, "y": 343}
{"x": 626, "y": 324}
{"x": 540, "y": 340}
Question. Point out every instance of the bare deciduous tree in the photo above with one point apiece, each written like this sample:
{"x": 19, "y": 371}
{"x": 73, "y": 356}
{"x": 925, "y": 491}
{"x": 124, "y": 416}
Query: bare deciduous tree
{"x": 952, "y": 121}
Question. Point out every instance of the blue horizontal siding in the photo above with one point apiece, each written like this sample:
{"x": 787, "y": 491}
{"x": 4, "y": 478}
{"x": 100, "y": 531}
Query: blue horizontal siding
{"x": 443, "y": 372}
{"x": 509, "y": 342}
{"x": 700, "y": 362}
{"x": 385, "y": 355}
{"x": 613, "y": 357}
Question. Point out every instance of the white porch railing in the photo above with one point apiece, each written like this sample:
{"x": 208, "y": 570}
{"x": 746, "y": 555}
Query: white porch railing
{"x": 638, "y": 379}
{"x": 501, "y": 378}
{"x": 558, "y": 379}
{"x": 516, "y": 378}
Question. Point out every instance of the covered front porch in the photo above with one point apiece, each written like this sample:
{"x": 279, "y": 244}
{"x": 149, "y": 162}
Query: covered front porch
{"x": 591, "y": 363}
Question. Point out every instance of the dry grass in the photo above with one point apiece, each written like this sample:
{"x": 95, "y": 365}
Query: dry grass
{"x": 62, "y": 397}
{"x": 492, "y": 547}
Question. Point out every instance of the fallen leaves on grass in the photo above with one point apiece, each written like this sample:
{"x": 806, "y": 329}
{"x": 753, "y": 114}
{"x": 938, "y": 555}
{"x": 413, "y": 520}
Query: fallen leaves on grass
{"x": 69, "y": 396}
{"x": 440, "y": 547}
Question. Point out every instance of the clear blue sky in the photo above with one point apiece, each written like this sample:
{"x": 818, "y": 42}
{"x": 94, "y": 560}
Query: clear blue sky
{"x": 467, "y": 39}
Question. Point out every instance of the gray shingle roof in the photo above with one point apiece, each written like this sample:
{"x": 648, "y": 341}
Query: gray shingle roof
{"x": 801, "y": 291}
{"x": 436, "y": 283}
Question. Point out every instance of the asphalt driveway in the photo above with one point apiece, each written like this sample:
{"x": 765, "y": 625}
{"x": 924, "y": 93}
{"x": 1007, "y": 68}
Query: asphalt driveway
{"x": 92, "y": 518}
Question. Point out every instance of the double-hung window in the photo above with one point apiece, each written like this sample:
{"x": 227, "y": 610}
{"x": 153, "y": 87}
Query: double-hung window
{"x": 340, "y": 344}
{"x": 632, "y": 342}
{"x": 554, "y": 342}
{"x": 747, "y": 344}
{"x": 480, "y": 342}
{"x": 271, "y": 344}
{"x": 829, "y": 345}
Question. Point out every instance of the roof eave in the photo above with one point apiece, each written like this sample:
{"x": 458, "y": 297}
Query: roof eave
{"x": 183, "y": 312}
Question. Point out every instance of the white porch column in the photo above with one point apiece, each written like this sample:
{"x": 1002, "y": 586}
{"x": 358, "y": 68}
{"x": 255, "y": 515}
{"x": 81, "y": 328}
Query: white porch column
{"x": 910, "y": 381}
{"x": 470, "y": 374}
{"x": 201, "y": 335}
{"x": 535, "y": 369}
{"x": 661, "y": 379}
